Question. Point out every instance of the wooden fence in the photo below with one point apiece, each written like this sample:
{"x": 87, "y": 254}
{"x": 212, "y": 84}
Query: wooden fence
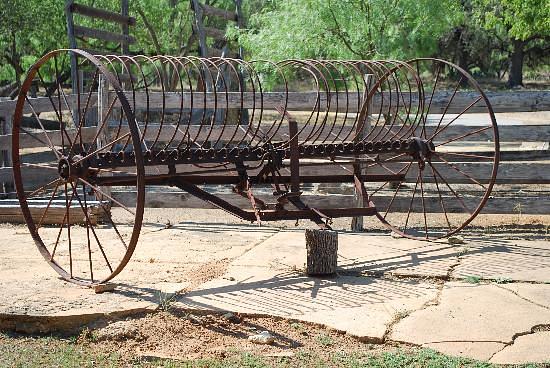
{"x": 524, "y": 171}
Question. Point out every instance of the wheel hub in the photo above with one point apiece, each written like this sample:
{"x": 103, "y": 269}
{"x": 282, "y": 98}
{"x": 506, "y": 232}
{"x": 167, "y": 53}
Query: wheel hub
{"x": 423, "y": 151}
{"x": 70, "y": 169}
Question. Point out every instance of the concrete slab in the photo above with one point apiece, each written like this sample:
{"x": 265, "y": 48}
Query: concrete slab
{"x": 494, "y": 258}
{"x": 531, "y": 348}
{"x": 358, "y": 253}
{"x": 34, "y": 299}
{"x": 469, "y": 314}
{"x": 361, "y": 306}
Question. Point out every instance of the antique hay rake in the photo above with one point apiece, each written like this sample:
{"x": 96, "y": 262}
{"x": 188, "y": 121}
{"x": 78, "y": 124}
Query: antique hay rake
{"x": 194, "y": 123}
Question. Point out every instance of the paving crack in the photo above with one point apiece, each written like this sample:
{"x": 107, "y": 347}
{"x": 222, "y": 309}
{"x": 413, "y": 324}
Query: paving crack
{"x": 534, "y": 329}
{"x": 441, "y": 280}
{"x": 523, "y": 298}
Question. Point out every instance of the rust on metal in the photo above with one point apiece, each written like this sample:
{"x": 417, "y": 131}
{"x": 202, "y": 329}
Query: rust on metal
{"x": 192, "y": 123}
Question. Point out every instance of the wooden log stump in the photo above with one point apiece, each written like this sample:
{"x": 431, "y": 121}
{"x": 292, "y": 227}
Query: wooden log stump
{"x": 322, "y": 252}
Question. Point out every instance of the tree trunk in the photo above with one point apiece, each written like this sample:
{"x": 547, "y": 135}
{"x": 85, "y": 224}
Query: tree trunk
{"x": 322, "y": 252}
{"x": 515, "y": 78}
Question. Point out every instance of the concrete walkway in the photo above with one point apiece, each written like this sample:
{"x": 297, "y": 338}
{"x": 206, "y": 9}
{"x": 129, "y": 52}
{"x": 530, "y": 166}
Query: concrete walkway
{"x": 487, "y": 299}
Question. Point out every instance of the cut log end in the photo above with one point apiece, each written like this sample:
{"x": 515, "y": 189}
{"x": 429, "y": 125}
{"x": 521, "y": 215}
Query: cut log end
{"x": 322, "y": 252}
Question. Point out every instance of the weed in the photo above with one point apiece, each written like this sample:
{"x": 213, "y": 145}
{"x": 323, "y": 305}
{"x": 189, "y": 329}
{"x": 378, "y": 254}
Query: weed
{"x": 325, "y": 340}
{"x": 166, "y": 300}
{"x": 472, "y": 279}
{"x": 502, "y": 280}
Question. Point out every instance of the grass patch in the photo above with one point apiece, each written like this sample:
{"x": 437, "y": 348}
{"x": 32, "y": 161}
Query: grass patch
{"x": 65, "y": 353}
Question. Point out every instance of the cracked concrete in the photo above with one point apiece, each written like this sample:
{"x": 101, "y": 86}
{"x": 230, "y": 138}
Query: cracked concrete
{"x": 387, "y": 289}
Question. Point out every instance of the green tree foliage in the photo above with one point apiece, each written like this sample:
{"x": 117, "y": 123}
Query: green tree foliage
{"x": 526, "y": 24}
{"x": 28, "y": 29}
{"x": 349, "y": 29}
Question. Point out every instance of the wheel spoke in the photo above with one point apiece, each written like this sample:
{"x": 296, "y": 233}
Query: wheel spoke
{"x": 396, "y": 191}
{"x": 449, "y": 103}
{"x": 96, "y": 189}
{"x": 423, "y": 203}
{"x": 67, "y": 210}
{"x": 43, "y": 188}
{"x": 456, "y": 117}
{"x": 452, "y": 191}
{"x": 82, "y": 118}
{"x": 464, "y": 136}
{"x": 60, "y": 229}
{"x": 90, "y": 226}
{"x": 48, "y": 206}
{"x": 462, "y": 172}
{"x": 88, "y": 235}
{"x": 466, "y": 155}
{"x": 50, "y": 144}
{"x": 441, "y": 199}
{"x": 102, "y": 148}
{"x": 411, "y": 203}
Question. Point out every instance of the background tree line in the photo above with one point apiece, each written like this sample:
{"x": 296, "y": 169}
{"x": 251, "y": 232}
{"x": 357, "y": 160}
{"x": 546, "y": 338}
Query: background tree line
{"x": 504, "y": 40}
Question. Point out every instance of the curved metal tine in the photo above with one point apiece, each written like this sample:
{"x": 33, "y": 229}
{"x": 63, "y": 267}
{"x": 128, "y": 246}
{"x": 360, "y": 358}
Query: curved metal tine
{"x": 351, "y": 71}
{"x": 127, "y": 62}
{"x": 187, "y": 64}
{"x": 247, "y": 133}
{"x": 405, "y": 127}
{"x": 255, "y": 78}
{"x": 89, "y": 226}
{"x": 203, "y": 71}
{"x": 456, "y": 117}
{"x": 176, "y": 64}
{"x": 441, "y": 199}
{"x": 161, "y": 78}
{"x": 451, "y": 189}
{"x": 376, "y": 69}
{"x": 108, "y": 61}
{"x": 461, "y": 172}
{"x": 328, "y": 67}
{"x": 388, "y": 76}
{"x": 221, "y": 81}
{"x": 319, "y": 76}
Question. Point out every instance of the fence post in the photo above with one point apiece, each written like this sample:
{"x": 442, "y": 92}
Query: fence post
{"x": 363, "y": 127}
{"x": 5, "y": 155}
{"x": 103, "y": 125}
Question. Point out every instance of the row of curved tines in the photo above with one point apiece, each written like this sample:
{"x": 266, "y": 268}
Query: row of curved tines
{"x": 341, "y": 89}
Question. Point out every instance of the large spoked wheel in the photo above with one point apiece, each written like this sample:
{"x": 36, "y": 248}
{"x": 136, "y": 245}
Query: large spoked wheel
{"x": 63, "y": 141}
{"x": 449, "y": 181}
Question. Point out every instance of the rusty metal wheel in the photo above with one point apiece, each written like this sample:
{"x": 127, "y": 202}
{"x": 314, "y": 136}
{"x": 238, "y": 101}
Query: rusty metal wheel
{"x": 449, "y": 181}
{"x": 63, "y": 142}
